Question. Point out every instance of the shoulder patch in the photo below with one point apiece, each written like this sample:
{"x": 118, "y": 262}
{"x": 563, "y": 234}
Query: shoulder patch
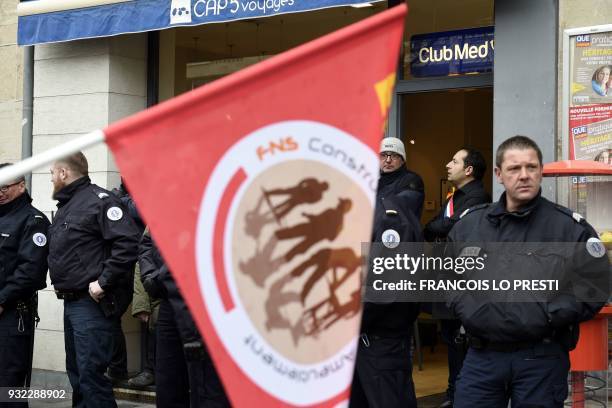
{"x": 472, "y": 209}
{"x": 576, "y": 217}
{"x": 39, "y": 239}
{"x": 114, "y": 213}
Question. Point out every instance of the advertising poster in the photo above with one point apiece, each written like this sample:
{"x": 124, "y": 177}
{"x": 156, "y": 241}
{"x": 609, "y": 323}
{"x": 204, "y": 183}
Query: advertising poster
{"x": 590, "y": 112}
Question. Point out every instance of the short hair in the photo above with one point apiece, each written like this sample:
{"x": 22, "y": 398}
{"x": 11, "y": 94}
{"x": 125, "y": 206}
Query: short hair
{"x": 475, "y": 159}
{"x": 17, "y": 179}
{"x": 76, "y": 162}
{"x": 516, "y": 142}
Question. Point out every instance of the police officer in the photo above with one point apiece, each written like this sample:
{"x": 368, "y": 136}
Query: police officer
{"x": 383, "y": 368}
{"x": 23, "y": 268}
{"x": 93, "y": 246}
{"x": 465, "y": 171}
{"x": 185, "y": 375}
{"x": 397, "y": 181}
{"x": 519, "y": 350}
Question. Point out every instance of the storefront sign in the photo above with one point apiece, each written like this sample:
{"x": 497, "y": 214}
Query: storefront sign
{"x": 452, "y": 52}
{"x": 590, "y": 110}
{"x": 134, "y": 16}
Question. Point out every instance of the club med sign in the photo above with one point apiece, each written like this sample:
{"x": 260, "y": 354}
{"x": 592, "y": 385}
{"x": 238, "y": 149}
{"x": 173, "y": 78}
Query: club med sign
{"x": 452, "y": 52}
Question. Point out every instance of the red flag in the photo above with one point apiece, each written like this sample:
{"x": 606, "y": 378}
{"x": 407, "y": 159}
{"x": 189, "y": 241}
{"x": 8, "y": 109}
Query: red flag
{"x": 259, "y": 189}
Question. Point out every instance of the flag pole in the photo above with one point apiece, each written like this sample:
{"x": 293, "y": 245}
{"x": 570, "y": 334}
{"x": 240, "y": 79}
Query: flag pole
{"x": 10, "y": 173}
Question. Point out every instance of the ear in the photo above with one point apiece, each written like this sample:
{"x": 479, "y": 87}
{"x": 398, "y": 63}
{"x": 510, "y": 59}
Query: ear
{"x": 469, "y": 170}
{"x": 498, "y": 175}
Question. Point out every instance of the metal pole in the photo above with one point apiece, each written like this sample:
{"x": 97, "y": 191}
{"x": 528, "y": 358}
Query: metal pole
{"x": 26, "y": 166}
{"x": 28, "y": 108}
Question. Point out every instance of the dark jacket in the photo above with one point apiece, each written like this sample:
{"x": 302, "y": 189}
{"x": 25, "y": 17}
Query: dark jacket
{"x": 159, "y": 283}
{"x": 470, "y": 195}
{"x": 23, "y": 250}
{"x": 405, "y": 188}
{"x": 92, "y": 238}
{"x": 500, "y": 319}
{"x": 386, "y": 318}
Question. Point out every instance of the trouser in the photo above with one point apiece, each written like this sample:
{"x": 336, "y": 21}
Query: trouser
{"x": 16, "y": 335}
{"x": 534, "y": 377}
{"x": 150, "y": 344}
{"x": 383, "y": 374}
{"x": 456, "y": 352}
{"x": 118, "y": 365}
{"x": 88, "y": 336}
{"x": 171, "y": 376}
{"x": 206, "y": 388}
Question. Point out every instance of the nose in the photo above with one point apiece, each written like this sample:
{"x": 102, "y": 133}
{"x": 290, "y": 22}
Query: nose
{"x": 524, "y": 173}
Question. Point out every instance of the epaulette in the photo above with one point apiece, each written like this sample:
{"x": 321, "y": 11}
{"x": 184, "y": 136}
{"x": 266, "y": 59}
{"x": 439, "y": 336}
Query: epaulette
{"x": 101, "y": 194}
{"x": 473, "y": 209}
{"x": 575, "y": 216}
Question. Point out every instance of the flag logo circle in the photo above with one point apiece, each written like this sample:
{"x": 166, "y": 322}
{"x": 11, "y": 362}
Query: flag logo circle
{"x": 281, "y": 266}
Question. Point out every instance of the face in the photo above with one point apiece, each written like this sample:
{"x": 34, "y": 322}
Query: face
{"x": 389, "y": 162}
{"x": 603, "y": 75}
{"x": 58, "y": 177}
{"x": 457, "y": 173}
{"x": 10, "y": 191}
{"x": 521, "y": 175}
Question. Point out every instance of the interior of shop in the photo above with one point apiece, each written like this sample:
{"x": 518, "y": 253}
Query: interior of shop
{"x": 435, "y": 124}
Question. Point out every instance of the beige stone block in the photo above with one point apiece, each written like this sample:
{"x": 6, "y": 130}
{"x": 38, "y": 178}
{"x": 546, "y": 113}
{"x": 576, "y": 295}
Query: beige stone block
{"x": 49, "y": 351}
{"x": 8, "y": 11}
{"x": 71, "y": 76}
{"x": 50, "y": 310}
{"x": 128, "y": 76}
{"x": 68, "y": 114}
{"x": 121, "y": 106}
{"x": 97, "y": 156}
{"x": 42, "y": 190}
{"x": 77, "y": 48}
{"x": 8, "y": 72}
{"x": 10, "y": 131}
{"x": 8, "y": 34}
{"x": 129, "y": 45}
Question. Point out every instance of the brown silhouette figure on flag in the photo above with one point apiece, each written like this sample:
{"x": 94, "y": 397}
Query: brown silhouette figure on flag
{"x": 307, "y": 191}
{"x": 326, "y": 225}
{"x": 326, "y": 263}
{"x": 261, "y": 265}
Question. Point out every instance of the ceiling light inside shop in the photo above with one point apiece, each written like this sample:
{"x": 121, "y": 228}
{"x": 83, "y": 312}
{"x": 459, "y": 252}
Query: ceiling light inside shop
{"x": 361, "y": 5}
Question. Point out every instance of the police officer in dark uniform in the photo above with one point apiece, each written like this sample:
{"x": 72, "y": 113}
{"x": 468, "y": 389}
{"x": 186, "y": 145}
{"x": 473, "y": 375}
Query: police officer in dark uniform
{"x": 185, "y": 375}
{"x": 465, "y": 171}
{"x": 93, "y": 246}
{"x": 23, "y": 268}
{"x": 519, "y": 350}
{"x": 383, "y": 368}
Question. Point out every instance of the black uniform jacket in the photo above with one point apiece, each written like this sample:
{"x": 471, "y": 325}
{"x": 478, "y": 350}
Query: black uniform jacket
{"x": 499, "y": 319}
{"x": 405, "y": 188}
{"x": 23, "y": 250}
{"x": 470, "y": 195}
{"x": 385, "y": 317}
{"x": 159, "y": 283}
{"x": 92, "y": 237}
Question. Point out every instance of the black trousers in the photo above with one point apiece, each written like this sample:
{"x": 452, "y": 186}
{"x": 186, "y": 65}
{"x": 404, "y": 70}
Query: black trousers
{"x": 171, "y": 376}
{"x": 449, "y": 329}
{"x": 15, "y": 350}
{"x": 383, "y": 374}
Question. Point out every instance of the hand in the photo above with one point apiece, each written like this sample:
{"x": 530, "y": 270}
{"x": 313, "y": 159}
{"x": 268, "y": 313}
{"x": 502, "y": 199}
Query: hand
{"x": 143, "y": 316}
{"x": 96, "y": 291}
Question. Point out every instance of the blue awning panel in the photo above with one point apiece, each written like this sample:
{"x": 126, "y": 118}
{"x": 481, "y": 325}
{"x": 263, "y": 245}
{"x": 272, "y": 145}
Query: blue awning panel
{"x": 147, "y": 15}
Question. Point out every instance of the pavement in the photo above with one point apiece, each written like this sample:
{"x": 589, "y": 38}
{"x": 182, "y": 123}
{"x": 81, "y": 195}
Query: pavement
{"x": 67, "y": 403}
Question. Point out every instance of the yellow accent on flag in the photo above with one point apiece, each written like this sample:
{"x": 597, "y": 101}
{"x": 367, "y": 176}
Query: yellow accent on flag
{"x": 384, "y": 90}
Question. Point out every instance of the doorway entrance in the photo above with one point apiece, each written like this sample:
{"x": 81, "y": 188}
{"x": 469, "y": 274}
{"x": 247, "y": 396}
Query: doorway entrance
{"x": 434, "y": 124}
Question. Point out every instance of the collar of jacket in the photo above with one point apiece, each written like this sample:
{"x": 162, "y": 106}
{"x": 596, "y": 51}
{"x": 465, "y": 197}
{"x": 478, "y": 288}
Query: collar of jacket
{"x": 499, "y": 210}
{"x": 474, "y": 184}
{"x": 388, "y": 178}
{"x": 18, "y": 202}
{"x": 66, "y": 193}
